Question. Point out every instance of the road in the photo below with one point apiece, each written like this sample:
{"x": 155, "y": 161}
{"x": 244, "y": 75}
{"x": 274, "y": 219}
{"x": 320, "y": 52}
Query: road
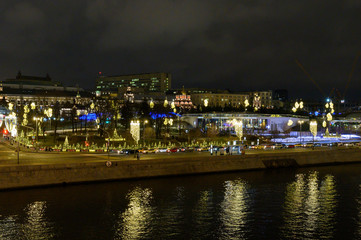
{"x": 9, "y": 157}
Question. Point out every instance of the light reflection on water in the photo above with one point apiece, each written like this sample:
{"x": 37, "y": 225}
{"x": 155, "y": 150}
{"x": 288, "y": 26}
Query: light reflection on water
{"x": 135, "y": 220}
{"x": 309, "y": 207}
{"x": 324, "y": 203}
{"x": 234, "y": 210}
{"x": 36, "y": 225}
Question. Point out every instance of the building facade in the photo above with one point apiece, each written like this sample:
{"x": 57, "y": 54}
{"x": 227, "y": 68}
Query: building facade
{"x": 145, "y": 83}
{"x": 23, "y": 90}
{"x": 224, "y": 98}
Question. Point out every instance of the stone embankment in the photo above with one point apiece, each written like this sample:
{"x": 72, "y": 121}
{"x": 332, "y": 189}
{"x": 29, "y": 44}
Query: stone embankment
{"x": 22, "y": 176}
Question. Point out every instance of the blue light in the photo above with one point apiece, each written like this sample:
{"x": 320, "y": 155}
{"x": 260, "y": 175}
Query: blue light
{"x": 89, "y": 117}
{"x": 317, "y": 113}
{"x": 327, "y": 100}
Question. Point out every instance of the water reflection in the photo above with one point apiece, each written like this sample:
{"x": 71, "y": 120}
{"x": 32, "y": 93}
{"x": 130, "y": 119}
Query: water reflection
{"x": 234, "y": 210}
{"x": 37, "y": 226}
{"x": 134, "y": 222}
{"x": 202, "y": 216}
{"x": 171, "y": 215}
{"x": 309, "y": 208}
{"x": 9, "y": 229}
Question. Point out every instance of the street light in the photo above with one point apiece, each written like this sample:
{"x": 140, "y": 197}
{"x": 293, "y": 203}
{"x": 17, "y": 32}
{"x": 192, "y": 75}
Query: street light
{"x": 145, "y": 122}
{"x": 36, "y": 125}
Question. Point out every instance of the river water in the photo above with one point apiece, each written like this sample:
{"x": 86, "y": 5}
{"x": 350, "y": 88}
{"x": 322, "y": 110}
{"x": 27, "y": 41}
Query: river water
{"x": 308, "y": 203}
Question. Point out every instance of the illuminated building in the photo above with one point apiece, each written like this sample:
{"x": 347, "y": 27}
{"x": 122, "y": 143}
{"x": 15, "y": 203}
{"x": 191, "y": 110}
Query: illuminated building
{"x": 223, "y": 98}
{"x": 40, "y": 90}
{"x": 183, "y": 101}
{"x": 145, "y": 82}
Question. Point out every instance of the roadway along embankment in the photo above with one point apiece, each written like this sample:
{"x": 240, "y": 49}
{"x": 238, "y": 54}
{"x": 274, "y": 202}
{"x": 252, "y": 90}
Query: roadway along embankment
{"x": 21, "y": 176}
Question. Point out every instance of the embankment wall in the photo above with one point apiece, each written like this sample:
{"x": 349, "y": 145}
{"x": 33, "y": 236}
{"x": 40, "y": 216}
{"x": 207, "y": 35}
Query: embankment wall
{"x": 21, "y": 176}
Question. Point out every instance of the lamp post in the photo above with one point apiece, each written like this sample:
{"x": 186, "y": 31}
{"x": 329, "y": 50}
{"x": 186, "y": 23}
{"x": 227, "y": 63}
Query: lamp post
{"x": 145, "y": 122}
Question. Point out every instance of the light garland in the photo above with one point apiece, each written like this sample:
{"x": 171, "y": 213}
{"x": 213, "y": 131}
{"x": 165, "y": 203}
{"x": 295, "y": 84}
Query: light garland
{"x": 289, "y": 123}
{"x": 135, "y": 130}
{"x": 313, "y": 127}
{"x": 238, "y": 128}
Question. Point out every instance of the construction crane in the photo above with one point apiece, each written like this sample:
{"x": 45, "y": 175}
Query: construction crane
{"x": 309, "y": 76}
{"x": 338, "y": 96}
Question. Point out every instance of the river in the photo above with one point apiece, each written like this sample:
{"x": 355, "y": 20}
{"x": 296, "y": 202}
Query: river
{"x": 307, "y": 203}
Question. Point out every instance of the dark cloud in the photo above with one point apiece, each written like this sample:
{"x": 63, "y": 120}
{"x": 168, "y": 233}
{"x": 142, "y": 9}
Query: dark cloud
{"x": 233, "y": 44}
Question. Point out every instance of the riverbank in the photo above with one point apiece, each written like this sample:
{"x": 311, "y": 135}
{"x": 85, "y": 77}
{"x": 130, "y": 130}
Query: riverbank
{"x": 22, "y": 176}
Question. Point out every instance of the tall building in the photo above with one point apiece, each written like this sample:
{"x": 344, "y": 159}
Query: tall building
{"x": 145, "y": 83}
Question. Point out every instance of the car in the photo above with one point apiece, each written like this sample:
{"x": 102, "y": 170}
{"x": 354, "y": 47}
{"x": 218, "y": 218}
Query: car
{"x": 190, "y": 149}
{"x": 151, "y": 150}
{"x": 291, "y": 146}
{"x": 203, "y": 149}
{"x": 173, "y": 150}
{"x": 162, "y": 150}
{"x": 308, "y": 145}
{"x": 279, "y": 145}
{"x": 128, "y": 151}
{"x": 143, "y": 150}
{"x": 182, "y": 149}
{"x": 197, "y": 148}
{"x": 298, "y": 145}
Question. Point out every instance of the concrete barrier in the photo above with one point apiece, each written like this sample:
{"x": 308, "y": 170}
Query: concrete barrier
{"x": 21, "y": 176}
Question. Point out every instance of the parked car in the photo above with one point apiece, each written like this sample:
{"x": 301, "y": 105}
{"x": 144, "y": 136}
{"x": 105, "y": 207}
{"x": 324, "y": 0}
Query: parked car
{"x": 151, "y": 150}
{"x": 162, "y": 150}
{"x": 291, "y": 146}
{"x": 173, "y": 150}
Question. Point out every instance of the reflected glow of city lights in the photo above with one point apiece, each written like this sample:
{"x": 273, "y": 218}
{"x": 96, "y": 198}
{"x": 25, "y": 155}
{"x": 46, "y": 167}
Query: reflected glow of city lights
{"x": 134, "y": 221}
{"x": 234, "y": 210}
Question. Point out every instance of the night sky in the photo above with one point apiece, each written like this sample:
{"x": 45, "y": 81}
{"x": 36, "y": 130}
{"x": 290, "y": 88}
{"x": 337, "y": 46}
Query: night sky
{"x": 234, "y": 44}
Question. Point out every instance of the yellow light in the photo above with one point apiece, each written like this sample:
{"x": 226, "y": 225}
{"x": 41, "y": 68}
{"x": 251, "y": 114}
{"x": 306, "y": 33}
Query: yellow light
{"x": 246, "y": 103}
{"x": 32, "y": 105}
{"x": 206, "y": 102}
{"x": 324, "y": 124}
{"x": 294, "y": 109}
{"x": 313, "y": 127}
{"x": 165, "y": 103}
{"x": 146, "y": 121}
{"x": 329, "y": 117}
{"x": 11, "y": 105}
{"x": 172, "y": 105}
{"x": 151, "y": 104}
{"x": 297, "y": 105}
{"x": 289, "y": 123}
{"x": 92, "y": 106}
{"x": 301, "y": 105}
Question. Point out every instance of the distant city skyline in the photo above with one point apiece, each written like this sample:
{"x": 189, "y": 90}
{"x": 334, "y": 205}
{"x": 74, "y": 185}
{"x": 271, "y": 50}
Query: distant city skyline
{"x": 210, "y": 44}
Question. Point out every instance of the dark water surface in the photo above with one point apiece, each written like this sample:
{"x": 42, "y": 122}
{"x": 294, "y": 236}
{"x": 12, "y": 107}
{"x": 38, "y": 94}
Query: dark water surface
{"x": 309, "y": 203}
